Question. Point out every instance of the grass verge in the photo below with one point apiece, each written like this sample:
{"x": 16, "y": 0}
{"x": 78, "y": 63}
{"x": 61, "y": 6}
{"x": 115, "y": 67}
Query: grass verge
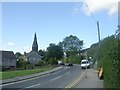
{"x": 12, "y": 74}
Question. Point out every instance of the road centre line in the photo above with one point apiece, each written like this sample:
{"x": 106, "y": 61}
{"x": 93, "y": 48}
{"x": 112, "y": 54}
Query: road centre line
{"x": 30, "y": 86}
{"x": 33, "y": 85}
{"x": 56, "y": 78}
{"x": 67, "y": 72}
{"x": 59, "y": 71}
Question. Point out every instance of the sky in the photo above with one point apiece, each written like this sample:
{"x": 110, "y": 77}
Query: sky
{"x": 53, "y": 21}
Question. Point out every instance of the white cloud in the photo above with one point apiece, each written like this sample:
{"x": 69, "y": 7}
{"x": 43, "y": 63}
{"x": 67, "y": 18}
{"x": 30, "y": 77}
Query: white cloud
{"x": 10, "y": 44}
{"x": 111, "y": 6}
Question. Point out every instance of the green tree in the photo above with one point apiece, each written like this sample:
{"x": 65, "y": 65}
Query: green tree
{"x": 71, "y": 43}
{"x": 22, "y": 64}
{"x": 54, "y": 52}
{"x": 42, "y": 53}
{"x": 18, "y": 54}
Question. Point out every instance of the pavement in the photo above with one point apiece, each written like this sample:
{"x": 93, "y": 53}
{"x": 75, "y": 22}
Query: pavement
{"x": 29, "y": 76}
{"x": 89, "y": 80}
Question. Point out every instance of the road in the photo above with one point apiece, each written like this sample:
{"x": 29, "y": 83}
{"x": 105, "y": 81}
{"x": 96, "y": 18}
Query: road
{"x": 58, "y": 79}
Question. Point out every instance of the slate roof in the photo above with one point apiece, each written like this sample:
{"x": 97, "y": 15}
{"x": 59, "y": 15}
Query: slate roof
{"x": 84, "y": 50}
{"x": 7, "y": 54}
{"x": 28, "y": 54}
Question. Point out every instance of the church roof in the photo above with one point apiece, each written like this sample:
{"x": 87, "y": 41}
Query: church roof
{"x": 32, "y": 52}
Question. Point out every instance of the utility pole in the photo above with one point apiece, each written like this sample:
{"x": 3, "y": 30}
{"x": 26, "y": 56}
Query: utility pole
{"x": 98, "y": 32}
{"x": 86, "y": 63}
{"x": 98, "y": 40}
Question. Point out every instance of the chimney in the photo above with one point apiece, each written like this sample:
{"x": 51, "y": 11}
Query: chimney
{"x": 25, "y": 54}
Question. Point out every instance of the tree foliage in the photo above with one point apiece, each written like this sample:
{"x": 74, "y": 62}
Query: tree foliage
{"x": 54, "y": 52}
{"x": 71, "y": 43}
{"x": 18, "y": 54}
{"x": 109, "y": 59}
{"x": 22, "y": 64}
{"x": 42, "y": 53}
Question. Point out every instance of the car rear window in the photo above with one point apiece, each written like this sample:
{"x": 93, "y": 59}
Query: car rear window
{"x": 84, "y": 62}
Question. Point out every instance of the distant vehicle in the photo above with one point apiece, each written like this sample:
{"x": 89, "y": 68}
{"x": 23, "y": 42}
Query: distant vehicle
{"x": 61, "y": 63}
{"x": 85, "y": 64}
{"x": 70, "y": 64}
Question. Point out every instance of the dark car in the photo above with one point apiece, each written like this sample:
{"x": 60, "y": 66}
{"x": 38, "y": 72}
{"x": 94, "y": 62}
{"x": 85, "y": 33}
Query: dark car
{"x": 62, "y": 63}
{"x": 70, "y": 64}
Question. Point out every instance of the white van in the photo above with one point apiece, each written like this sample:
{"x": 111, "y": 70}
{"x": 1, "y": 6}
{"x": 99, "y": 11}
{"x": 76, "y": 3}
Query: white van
{"x": 85, "y": 64}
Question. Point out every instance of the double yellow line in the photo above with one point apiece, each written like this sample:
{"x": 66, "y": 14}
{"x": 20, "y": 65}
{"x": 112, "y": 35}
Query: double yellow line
{"x": 74, "y": 83}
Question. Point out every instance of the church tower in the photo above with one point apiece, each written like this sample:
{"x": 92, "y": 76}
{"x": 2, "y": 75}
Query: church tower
{"x": 35, "y": 45}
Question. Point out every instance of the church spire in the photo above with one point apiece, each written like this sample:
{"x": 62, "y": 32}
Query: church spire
{"x": 35, "y": 45}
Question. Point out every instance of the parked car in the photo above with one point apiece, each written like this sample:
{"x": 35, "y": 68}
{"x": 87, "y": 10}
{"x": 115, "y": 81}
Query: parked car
{"x": 85, "y": 64}
{"x": 62, "y": 63}
{"x": 70, "y": 64}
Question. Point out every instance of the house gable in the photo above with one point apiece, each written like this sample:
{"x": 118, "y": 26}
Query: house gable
{"x": 34, "y": 58}
{"x": 8, "y": 59}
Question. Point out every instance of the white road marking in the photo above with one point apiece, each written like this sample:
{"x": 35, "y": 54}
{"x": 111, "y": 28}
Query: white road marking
{"x": 56, "y": 78}
{"x": 33, "y": 85}
{"x": 59, "y": 71}
{"x": 67, "y": 73}
{"x": 30, "y": 86}
{"x": 67, "y": 67}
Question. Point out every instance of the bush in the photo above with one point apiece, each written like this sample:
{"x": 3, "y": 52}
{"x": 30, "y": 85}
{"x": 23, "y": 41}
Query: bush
{"x": 110, "y": 62}
{"x": 75, "y": 59}
{"x": 21, "y": 63}
{"x": 66, "y": 60}
{"x": 109, "y": 58}
{"x": 52, "y": 61}
{"x": 41, "y": 63}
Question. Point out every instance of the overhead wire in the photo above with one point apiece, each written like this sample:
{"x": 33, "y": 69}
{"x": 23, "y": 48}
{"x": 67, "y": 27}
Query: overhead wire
{"x": 90, "y": 12}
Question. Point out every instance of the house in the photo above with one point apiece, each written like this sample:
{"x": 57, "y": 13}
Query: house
{"x": 33, "y": 57}
{"x": 7, "y": 59}
{"x": 83, "y": 51}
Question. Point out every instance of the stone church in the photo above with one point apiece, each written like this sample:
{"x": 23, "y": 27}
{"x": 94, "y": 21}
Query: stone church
{"x": 33, "y": 57}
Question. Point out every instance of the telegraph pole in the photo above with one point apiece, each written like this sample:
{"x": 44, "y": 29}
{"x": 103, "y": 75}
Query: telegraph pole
{"x": 98, "y": 32}
{"x": 86, "y": 63}
{"x": 98, "y": 40}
